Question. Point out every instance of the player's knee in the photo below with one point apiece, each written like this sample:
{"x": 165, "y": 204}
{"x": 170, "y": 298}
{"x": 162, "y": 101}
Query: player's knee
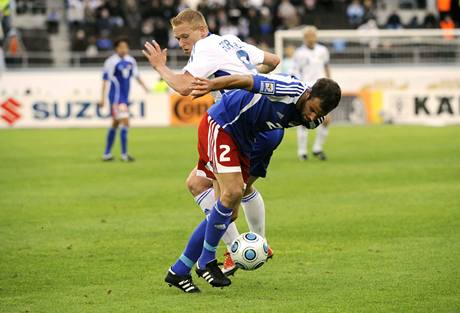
{"x": 196, "y": 184}
{"x": 231, "y": 196}
{"x": 192, "y": 186}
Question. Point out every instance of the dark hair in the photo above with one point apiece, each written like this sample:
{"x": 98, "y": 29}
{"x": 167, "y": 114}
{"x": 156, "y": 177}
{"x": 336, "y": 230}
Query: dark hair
{"x": 328, "y": 91}
{"x": 118, "y": 41}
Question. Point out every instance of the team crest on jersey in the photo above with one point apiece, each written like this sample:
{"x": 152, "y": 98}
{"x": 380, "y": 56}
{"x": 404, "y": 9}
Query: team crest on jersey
{"x": 268, "y": 87}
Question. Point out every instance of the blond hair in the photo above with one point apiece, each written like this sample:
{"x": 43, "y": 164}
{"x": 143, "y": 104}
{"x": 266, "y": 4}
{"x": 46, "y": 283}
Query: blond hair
{"x": 309, "y": 29}
{"x": 193, "y": 17}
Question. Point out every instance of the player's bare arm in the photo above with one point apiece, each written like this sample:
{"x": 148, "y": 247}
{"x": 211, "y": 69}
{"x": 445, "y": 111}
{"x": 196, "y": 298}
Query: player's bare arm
{"x": 142, "y": 83}
{"x": 271, "y": 61}
{"x": 181, "y": 83}
{"x": 202, "y": 86}
{"x": 104, "y": 93}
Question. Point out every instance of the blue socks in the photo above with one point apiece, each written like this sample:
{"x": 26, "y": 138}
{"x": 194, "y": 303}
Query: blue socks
{"x": 218, "y": 220}
{"x": 192, "y": 251}
{"x": 124, "y": 140}
{"x": 110, "y": 140}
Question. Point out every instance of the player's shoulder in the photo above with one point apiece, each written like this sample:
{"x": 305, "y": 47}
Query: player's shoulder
{"x": 130, "y": 59}
{"x": 207, "y": 42}
{"x": 112, "y": 60}
{"x": 321, "y": 47}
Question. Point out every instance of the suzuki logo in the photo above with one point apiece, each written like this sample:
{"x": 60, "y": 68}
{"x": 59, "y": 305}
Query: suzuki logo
{"x": 10, "y": 111}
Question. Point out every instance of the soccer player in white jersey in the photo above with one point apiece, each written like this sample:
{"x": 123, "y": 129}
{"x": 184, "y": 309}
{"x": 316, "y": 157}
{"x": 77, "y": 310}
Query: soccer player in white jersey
{"x": 118, "y": 71}
{"x": 212, "y": 56}
{"x": 310, "y": 63}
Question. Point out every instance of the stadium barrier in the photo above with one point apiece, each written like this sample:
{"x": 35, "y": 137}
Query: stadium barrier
{"x": 396, "y": 94}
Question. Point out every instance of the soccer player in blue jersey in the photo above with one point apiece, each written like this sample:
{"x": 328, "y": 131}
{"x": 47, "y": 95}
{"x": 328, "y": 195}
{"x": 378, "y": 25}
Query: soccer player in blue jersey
{"x": 118, "y": 71}
{"x": 225, "y": 140}
{"x": 213, "y": 55}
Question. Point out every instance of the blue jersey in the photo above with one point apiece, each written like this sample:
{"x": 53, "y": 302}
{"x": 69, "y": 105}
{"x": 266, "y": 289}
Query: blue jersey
{"x": 270, "y": 105}
{"x": 119, "y": 71}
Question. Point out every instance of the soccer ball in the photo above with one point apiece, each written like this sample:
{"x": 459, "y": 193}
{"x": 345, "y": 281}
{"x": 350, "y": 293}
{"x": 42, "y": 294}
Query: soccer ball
{"x": 249, "y": 251}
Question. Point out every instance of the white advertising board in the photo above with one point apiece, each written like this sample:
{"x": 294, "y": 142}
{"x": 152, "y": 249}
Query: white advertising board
{"x": 47, "y": 98}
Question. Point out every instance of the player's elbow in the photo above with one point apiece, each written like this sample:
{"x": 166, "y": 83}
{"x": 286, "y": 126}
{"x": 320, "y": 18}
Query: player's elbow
{"x": 271, "y": 60}
{"x": 276, "y": 61}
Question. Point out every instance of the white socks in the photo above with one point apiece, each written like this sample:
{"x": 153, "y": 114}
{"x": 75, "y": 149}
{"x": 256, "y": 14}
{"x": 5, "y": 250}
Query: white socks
{"x": 254, "y": 209}
{"x": 321, "y": 134}
{"x": 206, "y": 200}
{"x": 302, "y": 139}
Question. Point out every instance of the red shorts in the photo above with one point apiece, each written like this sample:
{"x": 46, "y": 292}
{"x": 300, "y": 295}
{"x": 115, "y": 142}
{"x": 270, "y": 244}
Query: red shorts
{"x": 218, "y": 151}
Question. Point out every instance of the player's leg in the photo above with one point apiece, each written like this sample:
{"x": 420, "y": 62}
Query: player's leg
{"x": 321, "y": 133}
{"x": 110, "y": 139}
{"x": 302, "y": 142}
{"x": 124, "y": 122}
{"x": 231, "y": 170}
{"x": 225, "y": 209}
{"x": 202, "y": 190}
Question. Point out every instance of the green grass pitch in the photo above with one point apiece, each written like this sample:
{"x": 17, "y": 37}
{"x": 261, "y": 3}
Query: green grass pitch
{"x": 374, "y": 229}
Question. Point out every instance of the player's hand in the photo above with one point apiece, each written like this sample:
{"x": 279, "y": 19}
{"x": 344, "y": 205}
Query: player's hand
{"x": 154, "y": 54}
{"x": 200, "y": 87}
{"x": 101, "y": 103}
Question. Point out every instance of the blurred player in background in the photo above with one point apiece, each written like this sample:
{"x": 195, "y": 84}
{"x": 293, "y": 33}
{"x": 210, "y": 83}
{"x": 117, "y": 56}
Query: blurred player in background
{"x": 118, "y": 70}
{"x": 210, "y": 56}
{"x": 310, "y": 63}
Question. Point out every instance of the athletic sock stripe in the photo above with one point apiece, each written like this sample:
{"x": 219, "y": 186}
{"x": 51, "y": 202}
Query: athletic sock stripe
{"x": 202, "y": 196}
{"x": 208, "y": 247}
{"x": 184, "y": 259}
{"x": 222, "y": 213}
{"x": 249, "y": 197}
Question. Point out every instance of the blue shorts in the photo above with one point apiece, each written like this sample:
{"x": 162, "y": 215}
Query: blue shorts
{"x": 262, "y": 151}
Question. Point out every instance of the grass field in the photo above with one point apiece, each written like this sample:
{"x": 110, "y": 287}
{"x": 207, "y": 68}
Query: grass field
{"x": 374, "y": 229}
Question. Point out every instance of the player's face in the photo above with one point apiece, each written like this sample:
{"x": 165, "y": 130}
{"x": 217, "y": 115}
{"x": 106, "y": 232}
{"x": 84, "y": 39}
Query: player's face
{"x": 312, "y": 109}
{"x": 122, "y": 49}
{"x": 310, "y": 39}
{"x": 187, "y": 36}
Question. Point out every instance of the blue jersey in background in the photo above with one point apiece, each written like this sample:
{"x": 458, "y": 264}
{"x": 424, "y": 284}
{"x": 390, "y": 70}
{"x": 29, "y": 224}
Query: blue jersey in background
{"x": 119, "y": 72}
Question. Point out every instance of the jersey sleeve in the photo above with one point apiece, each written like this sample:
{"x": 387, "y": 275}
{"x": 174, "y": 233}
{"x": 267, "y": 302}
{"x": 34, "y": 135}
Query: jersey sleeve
{"x": 135, "y": 68}
{"x": 278, "y": 85}
{"x": 326, "y": 55}
{"x": 204, "y": 61}
{"x": 109, "y": 69}
{"x": 314, "y": 124}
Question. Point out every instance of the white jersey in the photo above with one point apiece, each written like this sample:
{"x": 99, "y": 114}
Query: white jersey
{"x": 309, "y": 64}
{"x": 216, "y": 56}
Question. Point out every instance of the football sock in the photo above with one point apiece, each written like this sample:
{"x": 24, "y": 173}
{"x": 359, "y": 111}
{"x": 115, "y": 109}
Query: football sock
{"x": 109, "y": 140}
{"x": 124, "y": 140}
{"x": 192, "y": 251}
{"x": 218, "y": 221}
{"x": 321, "y": 134}
{"x": 302, "y": 139}
{"x": 254, "y": 210}
{"x": 206, "y": 200}
{"x": 230, "y": 234}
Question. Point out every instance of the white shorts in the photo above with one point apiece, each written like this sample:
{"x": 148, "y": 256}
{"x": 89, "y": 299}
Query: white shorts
{"x": 120, "y": 111}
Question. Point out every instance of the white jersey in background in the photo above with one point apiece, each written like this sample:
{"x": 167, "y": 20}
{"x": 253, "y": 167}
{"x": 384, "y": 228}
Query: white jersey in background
{"x": 308, "y": 64}
{"x": 216, "y": 56}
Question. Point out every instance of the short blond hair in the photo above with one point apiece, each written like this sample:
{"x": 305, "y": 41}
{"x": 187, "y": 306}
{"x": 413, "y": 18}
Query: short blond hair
{"x": 195, "y": 18}
{"x": 309, "y": 29}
